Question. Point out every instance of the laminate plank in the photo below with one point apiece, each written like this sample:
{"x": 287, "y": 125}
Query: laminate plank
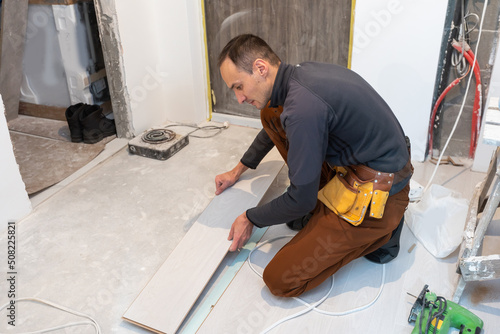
{"x": 205, "y": 308}
{"x": 167, "y": 298}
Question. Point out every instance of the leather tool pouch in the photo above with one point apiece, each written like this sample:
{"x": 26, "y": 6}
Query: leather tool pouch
{"x": 356, "y": 190}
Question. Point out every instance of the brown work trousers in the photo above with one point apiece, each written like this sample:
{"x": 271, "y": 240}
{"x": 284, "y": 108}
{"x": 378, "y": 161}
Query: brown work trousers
{"x": 327, "y": 242}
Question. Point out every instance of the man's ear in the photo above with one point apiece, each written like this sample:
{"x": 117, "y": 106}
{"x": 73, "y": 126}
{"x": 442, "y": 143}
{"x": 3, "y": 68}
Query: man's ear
{"x": 261, "y": 67}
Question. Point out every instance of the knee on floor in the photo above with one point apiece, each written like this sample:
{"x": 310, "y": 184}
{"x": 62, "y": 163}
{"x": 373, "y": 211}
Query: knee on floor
{"x": 283, "y": 284}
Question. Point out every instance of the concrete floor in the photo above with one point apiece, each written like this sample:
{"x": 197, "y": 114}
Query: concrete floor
{"x": 93, "y": 241}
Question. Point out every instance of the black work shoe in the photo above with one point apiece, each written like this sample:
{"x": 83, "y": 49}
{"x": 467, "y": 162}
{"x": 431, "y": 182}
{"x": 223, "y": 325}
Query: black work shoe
{"x": 299, "y": 223}
{"x": 73, "y": 118}
{"x": 390, "y": 250}
{"x": 95, "y": 125}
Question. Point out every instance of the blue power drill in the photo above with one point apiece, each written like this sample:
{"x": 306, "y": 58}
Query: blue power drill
{"x": 436, "y": 315}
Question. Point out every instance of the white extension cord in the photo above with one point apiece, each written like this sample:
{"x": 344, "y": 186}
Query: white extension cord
{"x": 88, "y": 322}
{"x": 313, "y": 306}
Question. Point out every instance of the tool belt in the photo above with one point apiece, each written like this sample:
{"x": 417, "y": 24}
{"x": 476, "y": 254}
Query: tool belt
{"x": 356, "y": 190}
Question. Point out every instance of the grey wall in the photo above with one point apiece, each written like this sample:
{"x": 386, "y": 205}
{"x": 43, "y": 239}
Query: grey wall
{"x": 296, "y": 30}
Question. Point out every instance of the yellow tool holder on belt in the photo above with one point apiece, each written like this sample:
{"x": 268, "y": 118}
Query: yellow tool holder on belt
{"x": 350, "y": 197}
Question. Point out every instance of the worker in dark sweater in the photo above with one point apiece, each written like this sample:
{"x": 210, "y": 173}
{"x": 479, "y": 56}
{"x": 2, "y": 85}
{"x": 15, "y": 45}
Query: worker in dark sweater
{"x": 348, "y": 160}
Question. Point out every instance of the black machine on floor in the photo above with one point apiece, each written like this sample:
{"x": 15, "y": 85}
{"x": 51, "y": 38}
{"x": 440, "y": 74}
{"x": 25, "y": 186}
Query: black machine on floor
{"x": 434, "y": 314}
{"x": 158, "y": 144}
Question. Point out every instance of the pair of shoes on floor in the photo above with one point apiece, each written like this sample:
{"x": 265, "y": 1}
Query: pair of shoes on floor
{"x": 299, "y": 223}
{"x": 87, "y": 123}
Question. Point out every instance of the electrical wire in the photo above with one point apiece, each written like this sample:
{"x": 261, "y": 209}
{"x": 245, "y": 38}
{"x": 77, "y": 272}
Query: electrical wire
{"x": 201, "y": 128}
{"x": 485, "y": 5}
{"x": 457, "y": 58}
{"x": 439, "y": 313}
{"x": 475, "y": 23}
{"x": 313, "y": 306}
{"x": 430, "y": 305}
{"x": 91, "y": 321}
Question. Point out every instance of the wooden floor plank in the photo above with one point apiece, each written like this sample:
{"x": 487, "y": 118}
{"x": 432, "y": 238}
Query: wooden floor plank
{"x": 167, "y": 298}
{"x": 206, "y": 307}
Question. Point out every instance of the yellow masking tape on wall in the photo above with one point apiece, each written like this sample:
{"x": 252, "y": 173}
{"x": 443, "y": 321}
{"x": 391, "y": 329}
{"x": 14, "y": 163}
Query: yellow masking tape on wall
{"x": 209, "y": 89}
{"x": 351, "y": 33}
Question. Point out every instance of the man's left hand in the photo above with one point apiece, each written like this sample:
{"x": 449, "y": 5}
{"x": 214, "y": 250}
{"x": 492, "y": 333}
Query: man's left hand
{"x": 240, "y": 232}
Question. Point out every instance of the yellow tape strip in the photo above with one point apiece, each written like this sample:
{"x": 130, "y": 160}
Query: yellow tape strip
{"x": 209, "y": 88}
{"x": 351, "y": 33}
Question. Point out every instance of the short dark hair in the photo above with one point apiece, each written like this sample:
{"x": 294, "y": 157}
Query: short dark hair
{"x": 244, "y": 49}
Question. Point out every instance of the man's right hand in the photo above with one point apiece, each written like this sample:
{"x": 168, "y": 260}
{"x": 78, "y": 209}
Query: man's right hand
{"x": 227, "y": 179}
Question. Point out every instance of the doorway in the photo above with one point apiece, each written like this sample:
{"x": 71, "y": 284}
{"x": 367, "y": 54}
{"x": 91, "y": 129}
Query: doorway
{"x": 51, "y": 59}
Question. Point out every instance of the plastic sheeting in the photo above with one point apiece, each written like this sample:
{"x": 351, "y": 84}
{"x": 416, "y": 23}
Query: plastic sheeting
{"x": 438, "y": 220}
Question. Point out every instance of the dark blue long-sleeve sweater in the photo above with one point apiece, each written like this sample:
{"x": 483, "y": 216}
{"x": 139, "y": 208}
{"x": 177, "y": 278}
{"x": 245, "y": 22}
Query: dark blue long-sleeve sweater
{"x": 329, "y": 114}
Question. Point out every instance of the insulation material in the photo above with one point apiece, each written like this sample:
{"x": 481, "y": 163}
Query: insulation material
{"x": 56, "y": 60}
{"x": 72, "y": 38}
{"x": 399, "y": 57}
{"x": 43, "y": 71}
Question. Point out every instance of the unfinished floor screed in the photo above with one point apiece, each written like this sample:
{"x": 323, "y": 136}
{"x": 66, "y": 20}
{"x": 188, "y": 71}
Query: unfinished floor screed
{"x": 94, "y": 241}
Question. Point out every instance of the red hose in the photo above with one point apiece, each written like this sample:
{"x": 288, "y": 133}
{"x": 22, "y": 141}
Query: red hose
{"x": 477, "y": 104}
{"x": 476, "y": 112}
{"x": 434, "y": 111}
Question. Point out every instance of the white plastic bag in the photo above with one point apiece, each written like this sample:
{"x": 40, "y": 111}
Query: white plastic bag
{"x": 438, "y": 220}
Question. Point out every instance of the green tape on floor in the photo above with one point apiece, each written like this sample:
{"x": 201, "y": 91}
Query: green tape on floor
{"x": 204, "y": 309}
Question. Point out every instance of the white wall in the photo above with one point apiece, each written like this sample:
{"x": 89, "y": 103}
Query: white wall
{"x": 396, "y": 49}
{"x": 164, "y": 60}
{"x": 14, "y": 201}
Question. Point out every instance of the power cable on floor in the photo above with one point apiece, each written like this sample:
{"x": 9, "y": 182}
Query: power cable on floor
{"x": 313, "y": 306}
{"x": 202, "y": 128}
{"x": 90, "y": 322}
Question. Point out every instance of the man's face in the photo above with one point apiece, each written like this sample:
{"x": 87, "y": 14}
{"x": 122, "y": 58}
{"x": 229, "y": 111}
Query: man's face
{"x": 252, "y": 88}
